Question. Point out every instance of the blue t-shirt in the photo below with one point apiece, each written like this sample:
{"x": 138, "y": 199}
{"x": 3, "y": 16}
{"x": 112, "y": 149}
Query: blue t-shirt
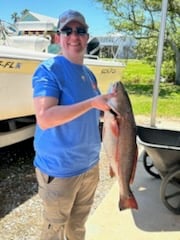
{"x": 71, "y": 148}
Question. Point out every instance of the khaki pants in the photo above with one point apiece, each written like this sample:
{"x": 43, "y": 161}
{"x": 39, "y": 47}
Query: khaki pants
{"x": 67, "y": 203}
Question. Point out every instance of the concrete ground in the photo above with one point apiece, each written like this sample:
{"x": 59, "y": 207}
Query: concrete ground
{"x": 152, "y": 221}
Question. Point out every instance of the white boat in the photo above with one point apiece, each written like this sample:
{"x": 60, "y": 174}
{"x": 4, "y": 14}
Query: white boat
{"x": 9, "y": 36}
{"x": 17, "y": 65}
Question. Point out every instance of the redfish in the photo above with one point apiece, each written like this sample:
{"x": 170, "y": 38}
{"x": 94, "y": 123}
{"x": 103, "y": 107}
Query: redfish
{"x": 119, "y": 141}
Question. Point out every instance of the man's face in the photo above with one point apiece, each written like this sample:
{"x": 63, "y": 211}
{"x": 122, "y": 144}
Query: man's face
{"x": 73, "y": 39}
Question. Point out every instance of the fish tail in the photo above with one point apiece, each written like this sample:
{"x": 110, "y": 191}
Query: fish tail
{"x": 126, "y": 203}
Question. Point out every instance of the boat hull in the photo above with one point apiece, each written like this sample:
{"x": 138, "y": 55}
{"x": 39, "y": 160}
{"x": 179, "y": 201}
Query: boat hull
{"x": 106, "y": 72}
{"x": 17, "y": 68}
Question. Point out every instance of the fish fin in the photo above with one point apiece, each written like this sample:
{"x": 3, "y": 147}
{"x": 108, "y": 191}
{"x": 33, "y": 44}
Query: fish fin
{"x": 115, "y": 128}
{"x": 128, "y": 203}
{"x": 111, "y": 172}
{"x": 134, "y": 166}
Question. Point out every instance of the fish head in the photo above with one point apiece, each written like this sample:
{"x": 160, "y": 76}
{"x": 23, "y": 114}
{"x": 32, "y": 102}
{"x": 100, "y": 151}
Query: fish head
{"x": 112, "y": 102}
{"x": 115, "y": 102}
{"x": 120, "y": 103}
{"x": 118, "y": 87}
{"x": 115, "y": 87}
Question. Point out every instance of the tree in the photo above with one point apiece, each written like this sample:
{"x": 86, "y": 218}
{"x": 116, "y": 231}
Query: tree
{"x": 141, "y": 19}
{"x": 24, "y": 12}
{"x": 15, "y": 17}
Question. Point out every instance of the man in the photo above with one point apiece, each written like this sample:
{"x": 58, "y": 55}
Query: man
{"x": 67, "y": 141}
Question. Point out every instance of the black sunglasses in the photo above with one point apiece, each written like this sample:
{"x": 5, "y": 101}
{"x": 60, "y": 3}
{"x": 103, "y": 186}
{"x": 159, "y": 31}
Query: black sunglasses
{"x": 80, "y": 31}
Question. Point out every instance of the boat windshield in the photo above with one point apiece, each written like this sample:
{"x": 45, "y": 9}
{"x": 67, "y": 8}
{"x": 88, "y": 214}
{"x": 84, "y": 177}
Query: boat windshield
{"x": 8, "y": 28}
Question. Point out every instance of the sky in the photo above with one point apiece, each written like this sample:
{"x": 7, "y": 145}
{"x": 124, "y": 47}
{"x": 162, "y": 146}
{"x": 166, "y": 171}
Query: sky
{"x": 95, "y": 15}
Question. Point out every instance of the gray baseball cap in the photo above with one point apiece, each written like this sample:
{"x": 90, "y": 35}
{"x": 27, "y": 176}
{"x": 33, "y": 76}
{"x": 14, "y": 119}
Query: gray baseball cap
{"x": 68, "y": 16}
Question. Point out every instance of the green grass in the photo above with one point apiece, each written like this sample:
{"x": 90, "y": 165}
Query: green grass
{"x": 138, "y": 71}
{"x": 138, "y": 79}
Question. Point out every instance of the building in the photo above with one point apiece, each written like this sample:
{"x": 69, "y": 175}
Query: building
{"x": 40, "y": 25}
{"x": 34, "y": 23}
